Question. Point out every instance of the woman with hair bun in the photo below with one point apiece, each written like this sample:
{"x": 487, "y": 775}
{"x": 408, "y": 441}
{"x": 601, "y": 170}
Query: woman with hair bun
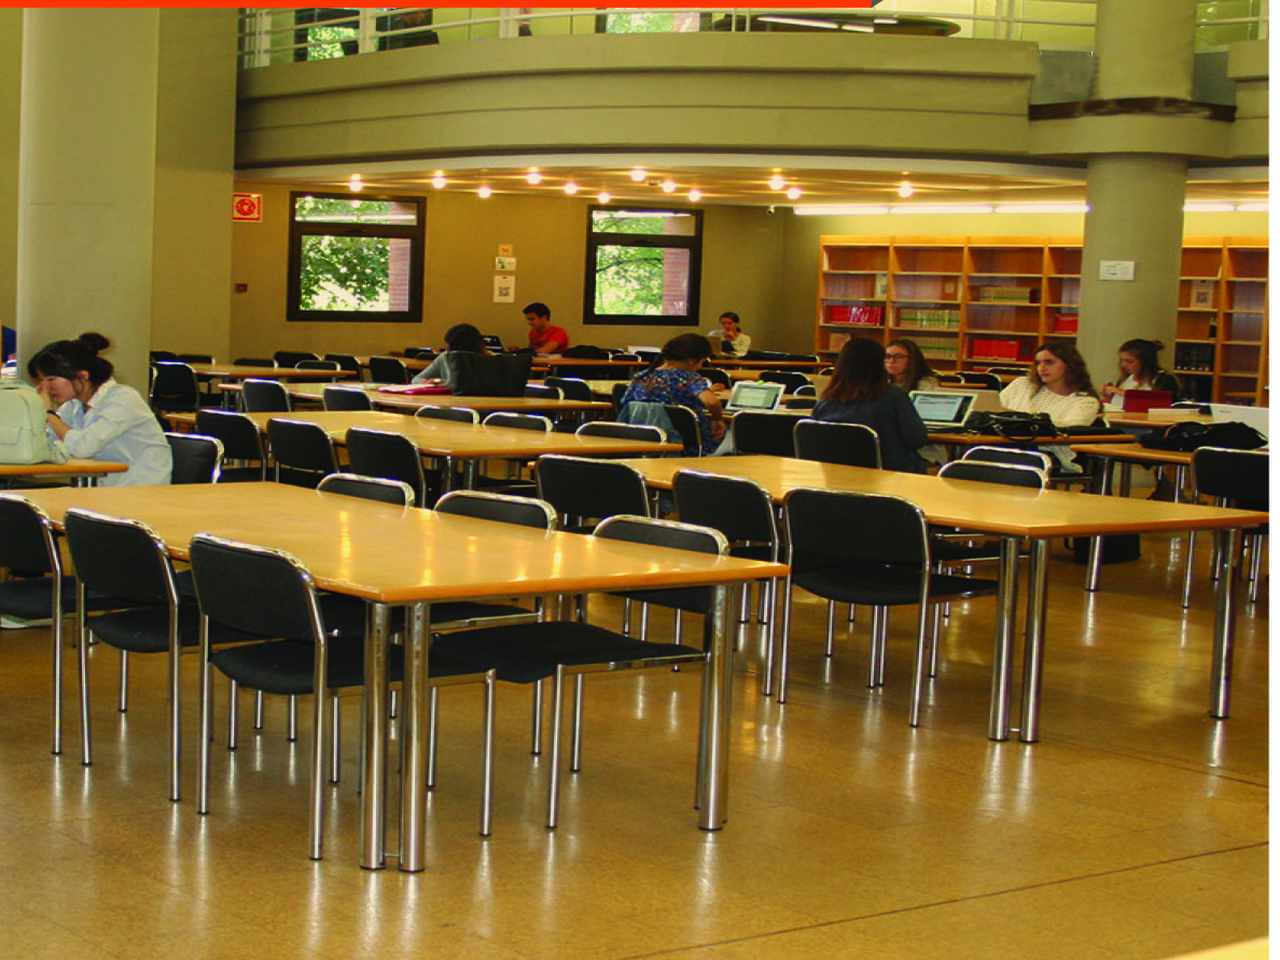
{"x": 1140, "y": 370}
{"x": 95, "y": 416}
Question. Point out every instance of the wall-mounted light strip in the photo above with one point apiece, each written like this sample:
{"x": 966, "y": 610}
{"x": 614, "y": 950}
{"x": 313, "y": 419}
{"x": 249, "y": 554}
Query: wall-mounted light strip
{"x": 934, "y": 209}
{"x": 1208, "y": 207}
{"x": 839, "y": 210}
{"x": 1254, "y": 206}
{"x": 1042, "y": 208}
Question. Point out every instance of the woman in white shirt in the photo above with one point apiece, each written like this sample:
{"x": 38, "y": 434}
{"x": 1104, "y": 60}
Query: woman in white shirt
{"x": 729, "y": 340}
{"x": 1059, "y": 385}
{"x": 95, "y": 416}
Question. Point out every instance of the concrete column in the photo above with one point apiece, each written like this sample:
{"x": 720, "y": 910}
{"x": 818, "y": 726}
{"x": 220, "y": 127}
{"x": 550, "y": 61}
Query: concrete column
{"x": 86, "y": 182}
{"x": 1145, "y": 49}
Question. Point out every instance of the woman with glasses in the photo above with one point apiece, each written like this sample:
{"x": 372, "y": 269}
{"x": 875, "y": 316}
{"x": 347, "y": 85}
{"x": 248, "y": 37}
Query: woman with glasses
{"x": 907, "y": 367}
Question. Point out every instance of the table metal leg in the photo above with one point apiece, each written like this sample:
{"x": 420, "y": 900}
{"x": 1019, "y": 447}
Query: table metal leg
{"x": 1224, "y": 628}
{"x": 1006, "y": 624}
{"x": 1033, "y": 658}
{"x": 374, "y": 713}
{"x": 415, "y": 718}
{"x": 1094, "y": 575}
{"x": 717, "y": 700}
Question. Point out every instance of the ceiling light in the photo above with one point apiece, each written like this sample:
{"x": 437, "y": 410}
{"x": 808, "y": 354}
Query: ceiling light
{"x": 355, "y": 184}
{"x": 1254, "y": 206}
{"x": 438, "y": 181}
{"x": 840, "y": 210}
{"x": 695, "y": 195}
{"x": 798, "y": 22}
{"x": 668, "y": 186}
{"x": 905, "y": 189}
{"x": 639, "y": 174}
{"x": 1042, "y": 208}
{"x": 484, "y": 191}
{"x": 777, "y": 182}
{"x": 794, "y": 193}
{"x": 604, "y": 196}
{"x": 937, "y": 208}
{"x": 533, "y": 177}
{"x": 570, "y": 188}
{"x": 859, "y": 27}
{"x": 1208, "y": 207}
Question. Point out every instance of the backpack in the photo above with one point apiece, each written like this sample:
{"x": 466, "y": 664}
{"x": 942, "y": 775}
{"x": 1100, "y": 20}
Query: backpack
{"x": 24, "y": 436}
{"x": 1189, "y": 435}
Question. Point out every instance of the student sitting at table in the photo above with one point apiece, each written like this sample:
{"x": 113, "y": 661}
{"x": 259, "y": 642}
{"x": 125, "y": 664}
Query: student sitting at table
{"x": 1140, "y": 370}
{"x": 95, "y": 416}
{"x": 461, "y": 336}
{"x": 860, "y": 392}
{"x": 674, "y": 378}
{"x": 1059, "y": 385}
{"x": 907, "y": 367}
{"x": 729, "y": 340}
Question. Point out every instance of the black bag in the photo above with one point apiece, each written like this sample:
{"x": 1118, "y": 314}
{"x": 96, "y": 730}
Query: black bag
{"x": 1012, "y": 425}
{"x": 584, "y": 351}
{"x": 490, "y": 375}
{"x": 1188, "y": 435}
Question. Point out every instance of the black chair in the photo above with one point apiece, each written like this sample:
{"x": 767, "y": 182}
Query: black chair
{"x": 718, "y": 377}
{"x": 800, "y": 403}
{"x": 584, "y": 490}
{"x": 985, "y": 471}
{"x": 196, "y": 458}
{"x": 1008, "y": 371}
{"x": 264, "y": 396}
{"x": 988, "y": 381}
{"x": 868, "y": 549}
{"x": 347, "y": 398}
{"x": 1027, "y": 458}
{"x": 326, "y": 366}
{"x": 768, "y": 433}
{"x": 291, "y": 358}
{"x": 622, "y": 431}
{"x": 571, "y": 388}
{"x": 381, "y": 489}
{"x": 532, "y": 652}
{"x": 420, "y": 353}
{"x": 303, "y": 452}
{"x": 825, "y": 441}
{"x": 126, "y": 559}
{"x": 1233, "y": 478}
{"x": 164, "y": 356}
{"x": 393, "y": 456}
{"x": 254, "y": 362}
{"x": 519, "y": 421}
{"x": 542, "y": 391}
{"x": 954, "y": 379}
{"x": 805, "y": 390}
{"x": 241, "y": 444}
{"x": 36, "y": 588}
{"x": 792, "y": 381}
{"x": 616, "y": 394}
{"x": 346, "y": 361}
{"x": 687, "y": 424}
{"x": 174, "y": 388}
{"x": 388, "y": 370}
{"x": 454, "y": 414}
{"x": 270, "y": 595}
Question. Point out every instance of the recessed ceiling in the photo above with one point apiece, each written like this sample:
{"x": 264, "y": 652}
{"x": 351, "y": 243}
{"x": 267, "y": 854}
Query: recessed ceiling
{"x": 744, "y": 181}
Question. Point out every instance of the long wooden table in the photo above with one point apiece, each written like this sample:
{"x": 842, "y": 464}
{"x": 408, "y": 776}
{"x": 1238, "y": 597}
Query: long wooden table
{"x": 1014, "y": 514}
{"x": 390, "y": 556}
{"x": 315, "y": 392}
{"x": 81, "y": 471}
{"x": 233, "y": 371}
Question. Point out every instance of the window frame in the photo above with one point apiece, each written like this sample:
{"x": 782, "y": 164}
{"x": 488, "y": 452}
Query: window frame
{"x": 692, "y": 243}
{"x": 298, "y": 230}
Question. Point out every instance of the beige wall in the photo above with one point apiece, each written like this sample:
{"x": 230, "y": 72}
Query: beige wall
{"x": 10, "y": 76}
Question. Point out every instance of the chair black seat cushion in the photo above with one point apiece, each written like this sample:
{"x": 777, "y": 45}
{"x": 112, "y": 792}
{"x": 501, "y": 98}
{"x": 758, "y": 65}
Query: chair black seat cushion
{"x": 951, "y": 551}
{"x": 284, "y": 667}
{"x": 688, "y": 599}
{"x": 883, "y": 586}
{"x": 32, "y": 598}
{"x": 146, "y": 629}
{"x": 524, "y": 653}
{"x": 461, "y": 610}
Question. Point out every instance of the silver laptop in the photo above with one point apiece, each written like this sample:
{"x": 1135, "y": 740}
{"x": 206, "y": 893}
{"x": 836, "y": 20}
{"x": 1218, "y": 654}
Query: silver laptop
{"x": 758, "y": 396}
{"x": 943, "y": 410}
{"x": 1255, "y": 417}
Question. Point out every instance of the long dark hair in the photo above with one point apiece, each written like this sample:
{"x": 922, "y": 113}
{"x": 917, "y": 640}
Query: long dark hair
{"x": 1077, "y": 372}
{"x": 1147, "y": 353}
{"x": 687, "y": 346}
{"x": 66, "y": 358}
{"x": 464, "y": 336}
{"x": 917, "y": 366}
{"x": 859, "y": 372}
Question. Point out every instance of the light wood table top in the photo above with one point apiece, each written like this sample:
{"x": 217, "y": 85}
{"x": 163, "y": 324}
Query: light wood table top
{"x": 1135, "y": 452}
{"x": 992, "y": 440}
{"x": 315, "y": 391}
{"x": 1122, "y": 419}
{"x": 238, "y": 372}
{"x": 75, "y": 467}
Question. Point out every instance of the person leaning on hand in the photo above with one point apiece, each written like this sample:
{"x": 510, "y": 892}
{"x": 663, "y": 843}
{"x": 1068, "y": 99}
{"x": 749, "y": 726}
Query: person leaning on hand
{"x": 729, "y": 340}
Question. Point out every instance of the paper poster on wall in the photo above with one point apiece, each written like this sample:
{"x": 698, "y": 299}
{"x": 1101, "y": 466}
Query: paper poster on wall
{"x": 505, "y": 264}
{"x": 504, "y": 289}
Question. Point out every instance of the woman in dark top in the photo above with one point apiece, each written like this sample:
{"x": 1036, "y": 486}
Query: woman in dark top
{"x": 1140, "y": 370}
{"x": 461, "y": 336}
{"x": 860, "y": 392}
{"x": 674, "y": 378}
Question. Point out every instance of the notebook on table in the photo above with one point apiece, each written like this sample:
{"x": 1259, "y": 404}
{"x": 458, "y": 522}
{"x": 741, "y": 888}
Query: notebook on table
{"x": 758, "y": 396}
{"x": 943, "y": 411}
{"x": 1140, "y": 401}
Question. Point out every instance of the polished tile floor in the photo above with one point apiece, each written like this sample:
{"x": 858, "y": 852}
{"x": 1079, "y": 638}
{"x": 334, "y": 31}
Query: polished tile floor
{"x": 1137, "y": 827}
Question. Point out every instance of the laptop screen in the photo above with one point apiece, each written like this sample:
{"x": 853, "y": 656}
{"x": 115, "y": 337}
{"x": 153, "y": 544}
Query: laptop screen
{"x": 492, "y": 341}
{"x": 942, "y": 406}
{"x": 755, "y": 395}
{"x": 1256, "y": 417}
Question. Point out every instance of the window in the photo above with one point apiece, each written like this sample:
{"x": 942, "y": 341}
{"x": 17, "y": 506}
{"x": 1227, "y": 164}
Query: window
{"x": 356, "y": 258}
{"x": 644, "y": 266}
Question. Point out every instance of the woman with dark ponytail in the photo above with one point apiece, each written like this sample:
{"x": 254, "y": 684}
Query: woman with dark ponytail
{"x": 95, "y": 416}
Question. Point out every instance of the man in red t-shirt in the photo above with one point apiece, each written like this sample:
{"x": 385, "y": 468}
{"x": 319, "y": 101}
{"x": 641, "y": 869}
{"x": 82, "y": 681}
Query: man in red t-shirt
{"x": 544, "y": 338}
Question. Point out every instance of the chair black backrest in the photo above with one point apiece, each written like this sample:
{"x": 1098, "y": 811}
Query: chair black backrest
{"x": 456, "y": 414}
{"x": 388, "y": 370}
{"x": 662, "y": 533}
{"x": 330, "y": 366}
{"x": 686, "y": 424}
{"x": 616, "y": 394}
{"x": 174, "y": 387}
{"x": 826, "y": 441}
{"x": 571, "y": 388}
{"x": 1239, "y": 477}
{"x": 264, "y": 592}
{"x": 738, "y": 507}
{"x": 264, "y": 396}
{"x": 167, "y": 356}
{"x": 771, "y": 433}
{"x": 253, "y": 362}
{"x": 490, "y": 375}
{"x": 543, "y": 391}
{"x": 382, "y": 489}
{"x": 519, "y": 421}
{"x": 120, "y": 558}
{"x": 27, "y": 539}
{"x": 345, "y": 361}
{"x": 986, "y": 380}
{"x": 240, "y": 436}
{"x": 800, "y": 403}
{"x": 303, "y": 451}
{"x": 622, "y": 431}
{"x": 523, "y": 511}
{"x": 420, "y": 353}
{"x": 196, "y": 458}
{"x": 1008, "y": 371}
{"x": 580, "y": 487}
{"x": 844, "y": 525}
{"x": 1014, "y": 474}
{"x": 382, "y": 453}
{"x": 196, "y": 357}
{"x": 1027, "y": 458}
{"x": 951, "y": 378}
{"x": 291, "y": 358}
{"x": 347, "y": 398}
{"x": 718, "y": 377}
{"x": 792, "y": 380}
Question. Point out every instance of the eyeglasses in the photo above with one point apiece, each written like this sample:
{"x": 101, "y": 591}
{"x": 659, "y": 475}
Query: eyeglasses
{"x": 897, "y": 356}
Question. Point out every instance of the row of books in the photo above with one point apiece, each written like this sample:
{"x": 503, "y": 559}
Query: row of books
{"x": 1194, "y": 356}
{"x": 858, "y": 316}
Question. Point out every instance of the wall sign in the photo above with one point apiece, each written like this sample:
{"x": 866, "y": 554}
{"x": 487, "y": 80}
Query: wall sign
{"x": 246, "y": 206}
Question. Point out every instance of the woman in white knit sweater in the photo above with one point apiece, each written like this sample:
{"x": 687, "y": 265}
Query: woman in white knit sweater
{"x": 1059, "y": 385}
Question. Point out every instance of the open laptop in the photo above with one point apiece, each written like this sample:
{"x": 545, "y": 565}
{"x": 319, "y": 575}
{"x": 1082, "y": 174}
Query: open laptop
{"x": 943, "y": 411}
{"x": 493, "y": 342}
{"x": 1256, "y": 417}
{"x": 1140, "y": 401}
{"x": 759, "y": 396}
